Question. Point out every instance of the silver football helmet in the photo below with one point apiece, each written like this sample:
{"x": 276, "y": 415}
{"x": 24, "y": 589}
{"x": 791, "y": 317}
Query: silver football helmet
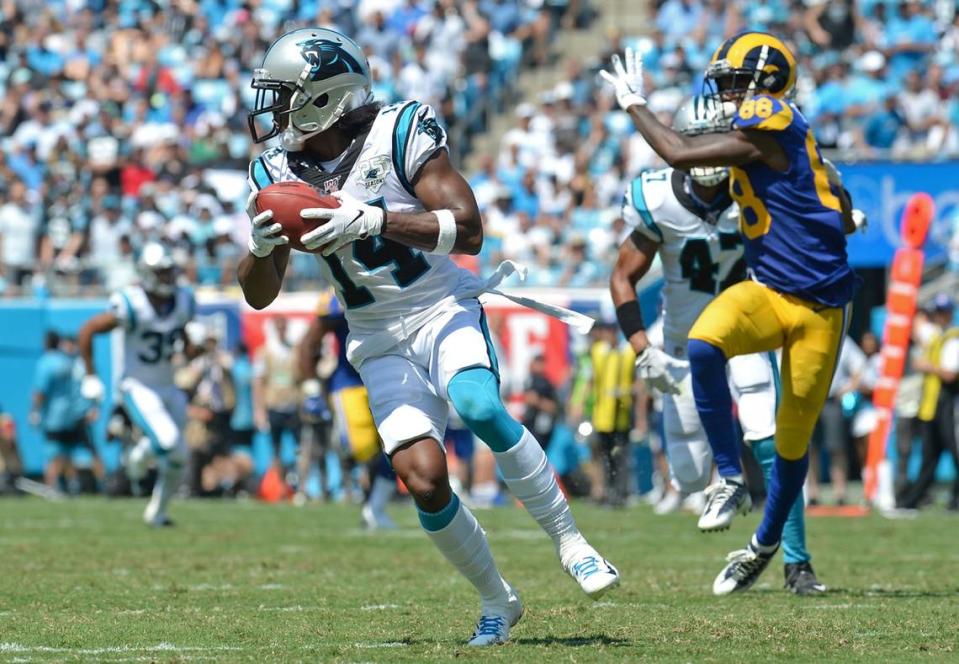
{"x": 308, "y": 80}
{"x": 705, "y": 115}
{"x": 157, "y": 270}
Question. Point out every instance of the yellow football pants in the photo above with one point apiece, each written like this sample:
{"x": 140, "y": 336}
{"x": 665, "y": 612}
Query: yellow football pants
{"x": 750, "y": 318}
{"x": 354, "y": 423}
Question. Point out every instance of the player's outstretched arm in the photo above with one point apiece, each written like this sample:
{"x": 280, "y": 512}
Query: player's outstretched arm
{"x": 733, "y": 148}
{"x": 440, "y": 188}
{"x": 636, "y": 255}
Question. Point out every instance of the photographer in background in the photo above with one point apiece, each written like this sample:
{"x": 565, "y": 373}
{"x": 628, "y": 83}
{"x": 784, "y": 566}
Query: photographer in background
{"x": 937, "y": 418}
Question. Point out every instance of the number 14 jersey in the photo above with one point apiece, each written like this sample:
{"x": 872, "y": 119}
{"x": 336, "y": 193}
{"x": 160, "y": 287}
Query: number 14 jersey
{"x": 387, "y": 289}
{"x": 700, "y": 246}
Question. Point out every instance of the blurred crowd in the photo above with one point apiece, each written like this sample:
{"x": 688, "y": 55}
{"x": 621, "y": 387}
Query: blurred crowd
{"x": 126, "y": 121}
{"x": 253, "y": 431}
{"x": 877, "y": 78}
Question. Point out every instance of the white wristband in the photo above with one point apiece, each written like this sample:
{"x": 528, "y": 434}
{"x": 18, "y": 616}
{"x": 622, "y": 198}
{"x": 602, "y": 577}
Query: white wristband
{"x": 447, "y": 232}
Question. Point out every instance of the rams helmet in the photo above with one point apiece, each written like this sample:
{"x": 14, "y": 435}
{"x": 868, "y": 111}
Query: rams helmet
{"x": 751, "y": 63}
{"x": 704, "y": 115}
{"x": 308, "y": 80}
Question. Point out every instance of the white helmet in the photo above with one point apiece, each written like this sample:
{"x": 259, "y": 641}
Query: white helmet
{"x": 705, "y": 115}
{"x": 157, "y": 270}
{"x": 313, "y": 77}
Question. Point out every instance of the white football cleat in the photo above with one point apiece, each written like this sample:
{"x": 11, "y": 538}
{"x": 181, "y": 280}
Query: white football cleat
{"x": 495, "y": 622}
{"x": 743, "y": 568}
{"x": 594, "y": 574}
{"x": 724, "y": 500}
{"x": 137, "y": 459}
{"x": 670, "y": 503}
{"x": 374, "y": 521}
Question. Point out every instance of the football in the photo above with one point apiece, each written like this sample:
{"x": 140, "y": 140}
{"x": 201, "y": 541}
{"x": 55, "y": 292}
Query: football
{"x": 286, "y": 199}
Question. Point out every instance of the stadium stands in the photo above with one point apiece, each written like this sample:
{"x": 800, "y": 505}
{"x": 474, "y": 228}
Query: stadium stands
{"x": 126, "y": 123}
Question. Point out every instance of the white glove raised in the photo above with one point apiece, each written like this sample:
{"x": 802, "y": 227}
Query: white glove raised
{"x": 353, "y": 220}
{"x": 859, "y": 219}
{"x": 264, "y": 236}
{"x": 627, "y": 81}
{"x": 652, "y": 365}
{"x": 91, "y": 388}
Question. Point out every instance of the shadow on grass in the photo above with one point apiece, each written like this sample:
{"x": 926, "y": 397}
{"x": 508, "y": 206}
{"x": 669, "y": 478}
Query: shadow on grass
{"x": 572, "y": 641}
{"x": 890, "y": 593}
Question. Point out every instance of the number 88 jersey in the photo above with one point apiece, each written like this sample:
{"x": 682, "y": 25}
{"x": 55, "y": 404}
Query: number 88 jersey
{"x": 150, "y": 337}
{"x": 700, "y": 247}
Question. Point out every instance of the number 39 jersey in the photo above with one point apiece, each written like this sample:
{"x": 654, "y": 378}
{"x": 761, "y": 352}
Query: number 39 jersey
{"x": 700, "y": 247}
{"x": 382, "y": 284}
{"x": 151, "y": 337}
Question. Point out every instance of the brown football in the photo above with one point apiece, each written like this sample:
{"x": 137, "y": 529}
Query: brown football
{"x": 286, "y": 199}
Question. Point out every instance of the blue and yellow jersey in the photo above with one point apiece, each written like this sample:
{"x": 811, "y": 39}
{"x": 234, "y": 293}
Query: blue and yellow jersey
{"x": 792, "y": 220}
{"x": 330, "y": 310}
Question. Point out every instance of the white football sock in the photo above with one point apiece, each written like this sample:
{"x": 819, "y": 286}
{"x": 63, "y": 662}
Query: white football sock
{"x": 464, "y": 544}
{"x": 380, "y": 494}
{"x": 167, "y": 482}
{"x": 530, "y": 478}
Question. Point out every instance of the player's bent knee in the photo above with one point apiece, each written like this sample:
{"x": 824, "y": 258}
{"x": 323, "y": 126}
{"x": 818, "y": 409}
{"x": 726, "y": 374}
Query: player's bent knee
{"x": 474, "y": 394}
{"x": 700, "y": 351}
{"x": 422, "y": 467}
{"x": 792, "y": 442}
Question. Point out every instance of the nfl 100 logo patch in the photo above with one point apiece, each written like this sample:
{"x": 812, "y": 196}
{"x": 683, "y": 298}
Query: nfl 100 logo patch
{"x": 373, "y": 172}
{"x": 332, "y": 185}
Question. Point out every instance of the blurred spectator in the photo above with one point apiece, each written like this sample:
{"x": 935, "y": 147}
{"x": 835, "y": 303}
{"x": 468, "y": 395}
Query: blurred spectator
{"x": 10, "y": 466}
{"x": 242, "y": 428}
{"x": 19, "y": 235}
{"x": 60, "y": 413}
{"x": 832, "y": 433}
{"x": 542, "y": 403}
{"x": 207, "y": 379}
{"x": 937, "y": 407}
{"x": 610, "y": 376}
{"x": 276, "y": 399}
{"x": 908, "y": 397}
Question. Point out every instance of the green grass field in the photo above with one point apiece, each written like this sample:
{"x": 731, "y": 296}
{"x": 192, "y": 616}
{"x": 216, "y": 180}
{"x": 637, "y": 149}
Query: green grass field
{"x": 84, "y": 581}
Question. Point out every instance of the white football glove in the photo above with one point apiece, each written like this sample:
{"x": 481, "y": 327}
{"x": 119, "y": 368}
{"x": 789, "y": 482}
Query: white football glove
{"x": 652, "y": 365}
{"x": 91, "y": 388}
{"x": 627, "y": 81}
{"x": 859, "y": 219}
{"x": 353, "y": 220}
{"x": 264, "y": 236}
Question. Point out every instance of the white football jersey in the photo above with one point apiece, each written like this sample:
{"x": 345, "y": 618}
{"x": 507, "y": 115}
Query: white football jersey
{"x": 150, "y": 338}
{"x": 381, "y": 283}
{"x": 700, "y": 248}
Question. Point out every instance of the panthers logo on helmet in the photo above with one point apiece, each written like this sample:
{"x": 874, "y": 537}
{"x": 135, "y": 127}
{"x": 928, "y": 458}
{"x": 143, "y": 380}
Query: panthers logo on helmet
{"x": 753, "y": 62}
{"x": 328, "y": 59}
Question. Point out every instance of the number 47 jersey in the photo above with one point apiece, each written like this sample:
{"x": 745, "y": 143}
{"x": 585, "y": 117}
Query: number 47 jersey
{"x": 700, "y": 247}
{"x": 388, "y": 289}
